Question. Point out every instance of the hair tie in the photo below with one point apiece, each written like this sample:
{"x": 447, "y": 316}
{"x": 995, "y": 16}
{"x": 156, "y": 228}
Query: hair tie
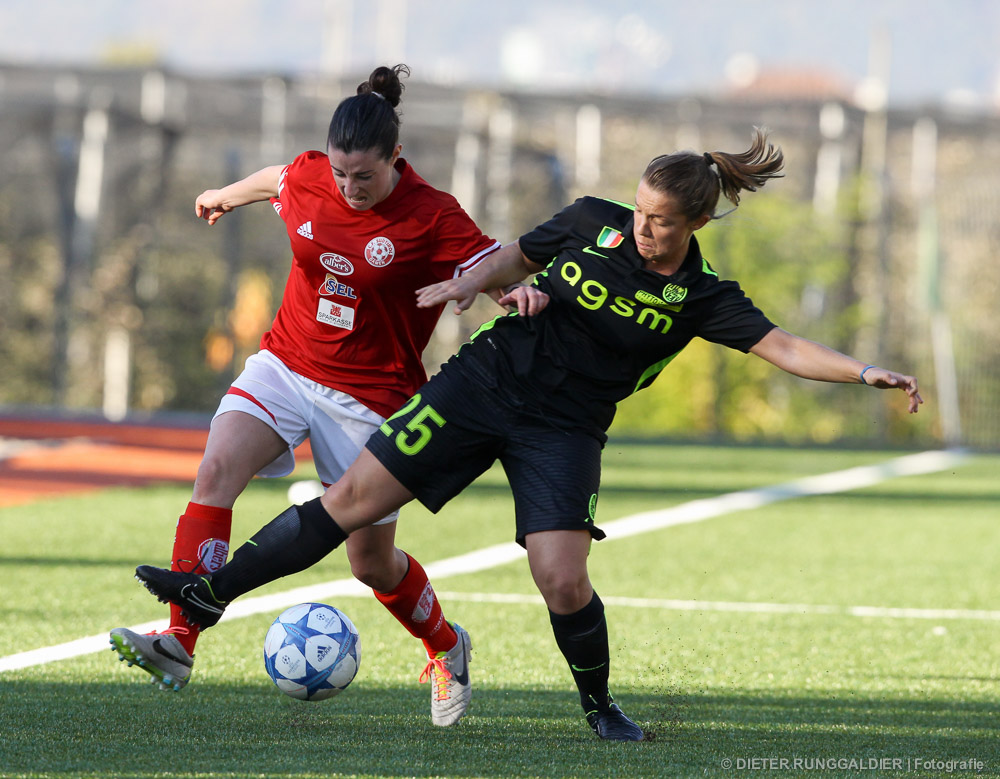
{"x": 709, "y": 158}
{"x": 377, "y": 94}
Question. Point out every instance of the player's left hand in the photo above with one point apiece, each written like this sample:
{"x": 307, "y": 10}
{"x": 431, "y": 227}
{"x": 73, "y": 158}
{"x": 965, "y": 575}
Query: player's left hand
{"x": 526, "y": 300}
{"x": 884, "y": 379}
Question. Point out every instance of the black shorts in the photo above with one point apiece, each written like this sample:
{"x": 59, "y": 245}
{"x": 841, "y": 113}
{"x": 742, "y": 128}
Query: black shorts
{"x": 453, "y": 430}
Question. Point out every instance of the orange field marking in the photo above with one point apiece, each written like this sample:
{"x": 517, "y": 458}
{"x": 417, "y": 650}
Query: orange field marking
{"x": 77, "y": 467}
{"x": 56, "y": 457}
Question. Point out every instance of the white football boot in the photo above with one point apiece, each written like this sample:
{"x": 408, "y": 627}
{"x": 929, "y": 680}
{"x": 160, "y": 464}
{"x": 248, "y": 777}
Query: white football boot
{"x": 448, "y": 673}
{"x": 158, "y": 654}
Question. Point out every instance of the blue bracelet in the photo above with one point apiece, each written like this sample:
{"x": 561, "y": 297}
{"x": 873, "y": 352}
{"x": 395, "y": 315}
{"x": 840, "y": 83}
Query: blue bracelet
{"x": 862, "y": 375}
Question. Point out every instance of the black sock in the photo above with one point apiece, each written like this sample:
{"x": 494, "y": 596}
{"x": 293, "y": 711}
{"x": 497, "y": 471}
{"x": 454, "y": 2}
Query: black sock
{"x": 294, "y": 540}
{"x": 583, "y": 639}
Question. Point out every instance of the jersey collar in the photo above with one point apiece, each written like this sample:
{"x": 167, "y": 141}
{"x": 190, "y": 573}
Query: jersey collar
{"x": 398, "y": 194}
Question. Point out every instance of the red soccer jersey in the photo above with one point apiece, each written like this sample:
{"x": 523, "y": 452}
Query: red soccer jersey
{"x": 348, "y": 318}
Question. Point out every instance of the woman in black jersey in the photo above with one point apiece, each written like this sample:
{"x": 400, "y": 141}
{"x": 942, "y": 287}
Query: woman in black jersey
{"x": 628, "y": 290}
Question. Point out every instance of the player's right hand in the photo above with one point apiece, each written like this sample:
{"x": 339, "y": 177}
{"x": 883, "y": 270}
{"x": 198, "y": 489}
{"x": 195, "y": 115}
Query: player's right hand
{"x": 210, "y": 206}
{"x": 527, "y": 300}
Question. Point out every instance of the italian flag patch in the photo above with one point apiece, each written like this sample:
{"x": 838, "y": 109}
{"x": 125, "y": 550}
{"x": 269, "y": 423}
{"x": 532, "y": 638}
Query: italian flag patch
{"x": 609, "y": 238}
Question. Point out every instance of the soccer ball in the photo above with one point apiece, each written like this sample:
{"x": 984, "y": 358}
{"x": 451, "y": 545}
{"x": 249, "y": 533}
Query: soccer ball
{"x": 312, "y": 651}
{"x": 301, "y": 491}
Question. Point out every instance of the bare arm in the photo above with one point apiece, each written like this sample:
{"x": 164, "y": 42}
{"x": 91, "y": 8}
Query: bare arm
{"x": 211, "y": 204}
{"x": 812, "y": 360}
{"x": 504, "y": 267}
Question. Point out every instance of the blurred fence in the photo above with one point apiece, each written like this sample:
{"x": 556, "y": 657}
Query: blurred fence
{"x": 116, "y": 298}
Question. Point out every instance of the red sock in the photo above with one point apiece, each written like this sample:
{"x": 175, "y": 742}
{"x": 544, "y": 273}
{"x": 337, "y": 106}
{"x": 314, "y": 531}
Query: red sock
{"x": 415, "y": 605}
{"x": 201, "y": 545}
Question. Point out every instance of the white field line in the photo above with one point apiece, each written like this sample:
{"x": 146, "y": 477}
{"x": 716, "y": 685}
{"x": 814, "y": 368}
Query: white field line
{"x": 499, "y": 554}
{"x": 667, "y": 604}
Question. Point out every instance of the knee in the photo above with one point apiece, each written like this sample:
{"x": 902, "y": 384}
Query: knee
{"x": 375, "y": 568}
{"x": 212, "y": 476}
{"x": 364, "y": 568}
{"x": 566, "y": 592}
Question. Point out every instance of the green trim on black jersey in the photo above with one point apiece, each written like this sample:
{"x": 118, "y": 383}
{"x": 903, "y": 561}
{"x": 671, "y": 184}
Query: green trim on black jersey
{"x": 629, "y": 206}
{"x": 489, "y": 326}
{"x": 544, "y": 271}
{"x": 706, "y": 268}
{"x": 652, "y": 372}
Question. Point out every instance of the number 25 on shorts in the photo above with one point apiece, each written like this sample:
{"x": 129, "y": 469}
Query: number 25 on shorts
{"x": 413, "y": 444}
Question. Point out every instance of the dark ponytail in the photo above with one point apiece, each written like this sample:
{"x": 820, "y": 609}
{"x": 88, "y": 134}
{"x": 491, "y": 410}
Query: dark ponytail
{"x": 697, "y": 180}
{"x": 368, "y": 120}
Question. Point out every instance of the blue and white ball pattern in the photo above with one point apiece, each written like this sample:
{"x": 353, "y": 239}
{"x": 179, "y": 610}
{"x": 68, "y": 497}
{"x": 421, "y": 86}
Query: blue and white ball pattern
{"x": 312, "y": 651}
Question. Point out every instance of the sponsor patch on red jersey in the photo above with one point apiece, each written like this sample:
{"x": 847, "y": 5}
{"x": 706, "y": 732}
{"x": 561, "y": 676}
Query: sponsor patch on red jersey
{"x": 336, "y": 263}
{"x": 333, "y": 286}
{"x": 332, "y": 313}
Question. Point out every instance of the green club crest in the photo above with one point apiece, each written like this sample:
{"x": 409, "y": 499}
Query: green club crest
{"x": 672, "y": 293}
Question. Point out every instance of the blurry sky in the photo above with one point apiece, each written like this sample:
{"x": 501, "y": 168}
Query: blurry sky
{"x": 938, "y": 50}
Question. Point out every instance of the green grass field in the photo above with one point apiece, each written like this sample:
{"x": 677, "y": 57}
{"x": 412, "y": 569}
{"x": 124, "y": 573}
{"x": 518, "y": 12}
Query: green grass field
{"x": 734, "y": 639}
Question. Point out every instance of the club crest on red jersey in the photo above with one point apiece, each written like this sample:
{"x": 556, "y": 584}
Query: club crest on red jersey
{"x": 379, "y": 252}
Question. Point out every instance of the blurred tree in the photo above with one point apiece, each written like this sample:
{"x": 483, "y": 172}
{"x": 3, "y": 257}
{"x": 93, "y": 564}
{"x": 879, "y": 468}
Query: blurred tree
{"x": 789, "y": 260}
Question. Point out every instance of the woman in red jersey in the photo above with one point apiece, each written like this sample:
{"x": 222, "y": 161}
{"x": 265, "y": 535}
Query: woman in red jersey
{"x": 343, "y": 353}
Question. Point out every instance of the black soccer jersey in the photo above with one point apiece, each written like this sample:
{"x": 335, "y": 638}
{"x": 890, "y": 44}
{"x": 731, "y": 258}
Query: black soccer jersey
{"x": 611, "y": 325}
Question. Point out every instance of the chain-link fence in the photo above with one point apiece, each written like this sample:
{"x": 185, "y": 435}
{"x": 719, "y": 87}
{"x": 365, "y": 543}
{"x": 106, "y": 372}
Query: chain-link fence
{"x": 116, "y": 298}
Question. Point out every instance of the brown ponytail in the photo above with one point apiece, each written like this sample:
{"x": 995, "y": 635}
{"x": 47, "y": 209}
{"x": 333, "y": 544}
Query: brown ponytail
{"x": 697, "y": 180}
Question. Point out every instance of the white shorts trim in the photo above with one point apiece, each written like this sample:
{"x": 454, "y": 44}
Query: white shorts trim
{"x": 296, "y": 408}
